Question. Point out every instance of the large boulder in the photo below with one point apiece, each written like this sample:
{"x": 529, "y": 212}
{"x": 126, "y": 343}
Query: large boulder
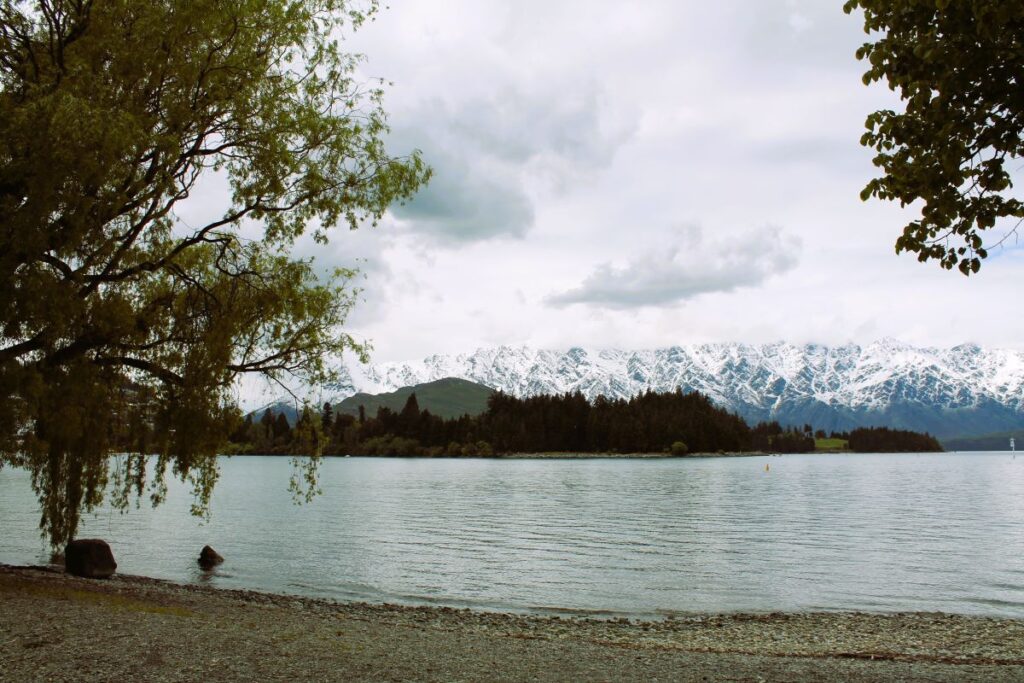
{"x": 208, "y": 558}
{"x": 89, "y": 557}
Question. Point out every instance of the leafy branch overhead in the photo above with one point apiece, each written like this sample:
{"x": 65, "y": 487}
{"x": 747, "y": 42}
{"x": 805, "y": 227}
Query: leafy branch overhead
{"x": 118, "y": 315}
{"x": 959, "y": 67}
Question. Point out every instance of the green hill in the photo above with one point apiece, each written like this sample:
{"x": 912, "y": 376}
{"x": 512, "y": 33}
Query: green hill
{"x": 449, "y": 397}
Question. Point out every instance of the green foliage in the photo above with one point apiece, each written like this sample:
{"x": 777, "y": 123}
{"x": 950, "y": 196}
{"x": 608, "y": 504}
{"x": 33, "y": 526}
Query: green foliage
{"x": 480, "y": 449}
{"x": 307, "y": 440}
{"x": 830, "y": 444}
{"x": 392, "y": 445}
{"x": 885, "y": 440}
{"x": 124, "y": 326}
{"x": 650, "y": 423}
{"x": 957, "y": 65}
{"x": 771, "y": 437}
{"x": 671, "y": 422}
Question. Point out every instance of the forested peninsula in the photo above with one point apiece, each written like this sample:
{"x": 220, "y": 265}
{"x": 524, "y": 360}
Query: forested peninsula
{"x": 673, "y": 423}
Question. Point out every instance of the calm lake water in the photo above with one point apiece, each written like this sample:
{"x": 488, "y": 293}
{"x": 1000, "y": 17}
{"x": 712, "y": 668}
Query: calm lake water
{"x": 636, "y": 537}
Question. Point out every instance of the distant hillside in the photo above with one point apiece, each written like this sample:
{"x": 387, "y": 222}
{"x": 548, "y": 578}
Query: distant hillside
{"x": 449, "y": 397}
{"x": 947, "y": 392}
{"x": 998, "y": 441}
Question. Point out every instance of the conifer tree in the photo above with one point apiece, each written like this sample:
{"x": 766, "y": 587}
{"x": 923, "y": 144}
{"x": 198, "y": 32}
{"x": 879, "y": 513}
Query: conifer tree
{"x": 327, "y": 417}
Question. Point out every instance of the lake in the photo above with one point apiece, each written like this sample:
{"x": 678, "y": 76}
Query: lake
{"x": 934, "y": 532}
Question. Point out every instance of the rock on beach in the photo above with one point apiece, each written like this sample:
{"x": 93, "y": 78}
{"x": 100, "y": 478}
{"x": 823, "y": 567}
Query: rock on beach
{"x": 90, "y": 558}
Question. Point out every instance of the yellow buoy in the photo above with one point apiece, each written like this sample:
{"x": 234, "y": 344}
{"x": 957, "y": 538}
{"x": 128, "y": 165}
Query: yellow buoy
{"x": 767, "y": 467}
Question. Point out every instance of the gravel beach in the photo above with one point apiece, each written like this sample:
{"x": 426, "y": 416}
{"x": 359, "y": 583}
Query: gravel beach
{"x": 54, "y": 627}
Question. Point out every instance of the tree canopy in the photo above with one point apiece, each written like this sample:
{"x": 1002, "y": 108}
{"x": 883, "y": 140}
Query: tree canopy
{"x": 124, "y": 324}
{"x": 959, "y": 67}
{"x": 671, "y": 422}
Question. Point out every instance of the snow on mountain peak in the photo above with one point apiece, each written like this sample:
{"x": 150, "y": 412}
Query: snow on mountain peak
{"x": 759, "y": 381}
{"x": 872, "y": 376}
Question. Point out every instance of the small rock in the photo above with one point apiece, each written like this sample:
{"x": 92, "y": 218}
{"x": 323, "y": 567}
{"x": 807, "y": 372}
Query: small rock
{"x": 209, "y": 558}
{"x": 90, "y": 558}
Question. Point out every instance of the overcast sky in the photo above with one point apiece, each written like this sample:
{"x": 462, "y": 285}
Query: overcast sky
{"x": 638, "y": 175}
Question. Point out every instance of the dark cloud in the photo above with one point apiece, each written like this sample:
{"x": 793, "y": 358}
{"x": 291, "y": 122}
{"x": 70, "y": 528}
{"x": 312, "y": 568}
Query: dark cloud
{"x": 364, "y": 251}
{"x": 486, "y": 151}
{"x": 517, "y": 127}
{"x": 466, "y": 203}
{"x": 685, "y": 270}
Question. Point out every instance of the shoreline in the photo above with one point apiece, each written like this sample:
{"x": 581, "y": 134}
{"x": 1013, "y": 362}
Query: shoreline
{"x": 587, "y": 456}
{"x": 58, "y": 627}
{"x": 622, "y": 456}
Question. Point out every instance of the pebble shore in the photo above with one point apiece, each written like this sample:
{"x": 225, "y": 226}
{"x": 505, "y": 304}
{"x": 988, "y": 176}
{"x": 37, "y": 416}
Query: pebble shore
{"x": 55, "y": 627}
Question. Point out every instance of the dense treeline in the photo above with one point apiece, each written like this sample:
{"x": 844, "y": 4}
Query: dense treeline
{"x": 885, "y": 440}
{"x": 675, "y": 423}
{"x": 771, "y": 437}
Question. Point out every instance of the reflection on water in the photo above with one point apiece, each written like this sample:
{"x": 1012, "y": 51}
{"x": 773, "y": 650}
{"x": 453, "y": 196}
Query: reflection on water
{"x": 869, "y": 532}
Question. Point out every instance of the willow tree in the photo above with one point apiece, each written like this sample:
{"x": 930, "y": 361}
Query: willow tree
{"x": 959, "y": 68}
{"x": 124, "y": 325}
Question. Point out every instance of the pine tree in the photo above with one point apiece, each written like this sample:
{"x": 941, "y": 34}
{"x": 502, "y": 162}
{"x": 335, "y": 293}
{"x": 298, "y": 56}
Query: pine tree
{"x": 411, "y": 410}
{"x": 282, "y": 430}
{"x": 267, "y": 422}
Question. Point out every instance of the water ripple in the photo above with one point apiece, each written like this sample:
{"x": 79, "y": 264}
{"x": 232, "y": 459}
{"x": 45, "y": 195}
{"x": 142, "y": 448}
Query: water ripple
{"x": 639, "y": 537}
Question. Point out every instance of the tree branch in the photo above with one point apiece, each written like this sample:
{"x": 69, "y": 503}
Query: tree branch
{"x": 161, "y": 373}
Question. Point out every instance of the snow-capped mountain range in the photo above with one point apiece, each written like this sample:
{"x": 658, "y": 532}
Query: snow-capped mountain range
{"x": 948, "y": 391}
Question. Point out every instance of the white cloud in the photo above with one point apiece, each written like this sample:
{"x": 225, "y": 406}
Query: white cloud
{"x": 466, "y": 200}
{"x": 685, "y": 269}
{"x": 551, "y": 125}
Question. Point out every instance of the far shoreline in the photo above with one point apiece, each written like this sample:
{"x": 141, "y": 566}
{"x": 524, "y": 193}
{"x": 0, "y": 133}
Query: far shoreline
{"x": 593, "y": 456}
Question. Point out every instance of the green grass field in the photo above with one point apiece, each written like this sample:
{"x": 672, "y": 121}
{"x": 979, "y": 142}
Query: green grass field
{"x": 831, "y": 444}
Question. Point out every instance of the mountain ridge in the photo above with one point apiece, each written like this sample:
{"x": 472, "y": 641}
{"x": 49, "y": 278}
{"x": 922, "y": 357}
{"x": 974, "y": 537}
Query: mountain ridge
{"x": 959, "y": 390}
{"x": 449, "y": 397}
{"x": 955, "y": 391}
